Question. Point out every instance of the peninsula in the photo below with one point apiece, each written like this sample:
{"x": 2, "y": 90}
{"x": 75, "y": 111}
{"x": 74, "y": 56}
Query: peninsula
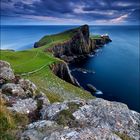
{"x": 41, "y": 100}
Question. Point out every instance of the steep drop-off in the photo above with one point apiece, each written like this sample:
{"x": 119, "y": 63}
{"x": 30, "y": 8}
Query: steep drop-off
{"x": 62, "y": 71}
{"x": 75, "y": 119}
{"x": 77, "y": 45}
{"x": 51, "y": 108}
{"x": 80, "y": 44}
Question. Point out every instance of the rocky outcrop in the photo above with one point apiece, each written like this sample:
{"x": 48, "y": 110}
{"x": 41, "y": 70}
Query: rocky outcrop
{"x": 57, "y": 133}
{"x": 13, "y": 90}
{"x": 111, "y": 115}
{"x": 92, "y": 88}
{"x": 51, "y": 111}
{"x": 28, "y": 86}
{"x": 6, "y": 73}
{"x": 74, "y": 49}
{"x": 20, "y": 95}
{"x": 24, "y": 106}
{"x": 69, "y": 120}
{"x": 61, "y": 69}
{"x": 22, "y": 89}
{"x": 99, "y": 42}
{"x": 41, "y": 98}
{"x": 96, "y": 119}
{"x": 79, "y": 45}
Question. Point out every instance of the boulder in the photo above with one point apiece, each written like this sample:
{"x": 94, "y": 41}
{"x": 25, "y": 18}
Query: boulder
{"x": 77, "y": 101}
{"x": 13, "y": 90}
{"x": 42, "y": 98}
{"x": 25, "y": 106}
{"x": 52, "y": 110}
{"x": 97, "y": 119}
{"x": 92, "y": 88}
{"x": 51, "y": 132}
{"x": 40, "y": 129}
{"x": 4, "y": 64}
{"x": 41, "y": 124}
{"x": 28, "y": 86}
{"x": 8, "y": 100}
{"x": 6, "y": 73}
{"x": 111, "y": 115}
{"x": 83, "y": 134}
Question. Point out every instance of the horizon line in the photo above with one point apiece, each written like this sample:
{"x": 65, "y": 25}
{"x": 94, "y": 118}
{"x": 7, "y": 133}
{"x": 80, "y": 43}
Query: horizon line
{"x": 69, "y": 24}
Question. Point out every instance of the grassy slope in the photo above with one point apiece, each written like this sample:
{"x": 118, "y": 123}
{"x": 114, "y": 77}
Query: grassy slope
{"x": 95, "y": 36}
{"x": 50, "y": 40}
{"x": 33, "y": 59}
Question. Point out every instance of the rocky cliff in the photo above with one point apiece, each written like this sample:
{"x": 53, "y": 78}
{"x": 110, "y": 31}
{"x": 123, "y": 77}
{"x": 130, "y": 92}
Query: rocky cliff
{"x": 61, "y": 69}
{"x": 79, "y": 45}
{"x": 33, "y": 117}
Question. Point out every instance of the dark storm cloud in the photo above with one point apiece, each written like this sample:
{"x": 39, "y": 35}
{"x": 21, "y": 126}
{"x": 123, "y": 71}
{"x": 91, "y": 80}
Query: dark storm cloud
{"x": 82, "y": 10}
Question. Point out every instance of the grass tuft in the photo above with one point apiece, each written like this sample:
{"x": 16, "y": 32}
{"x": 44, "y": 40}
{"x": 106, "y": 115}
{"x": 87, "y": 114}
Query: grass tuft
{"x": 10, "y": 122}
{"x": 66, "y": 118}
{"x": 123, "y": 136}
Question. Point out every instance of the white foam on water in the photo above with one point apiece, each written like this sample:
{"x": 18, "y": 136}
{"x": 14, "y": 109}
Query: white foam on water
{"x": 99, "y": 92}
{"x": 84, "y": 72}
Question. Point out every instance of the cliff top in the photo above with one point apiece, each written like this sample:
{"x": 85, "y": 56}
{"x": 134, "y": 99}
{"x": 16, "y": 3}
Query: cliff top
{"x": 51, "y": 108}
{"x": 50, "y": 40}
{"x": 34, "y": 64}
{"x": 26, "y": 113}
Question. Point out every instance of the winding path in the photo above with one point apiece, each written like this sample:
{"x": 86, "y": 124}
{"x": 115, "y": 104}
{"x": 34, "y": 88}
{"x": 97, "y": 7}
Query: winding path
{"x": 29, "y": 60}
{"x": 34, "y": 71}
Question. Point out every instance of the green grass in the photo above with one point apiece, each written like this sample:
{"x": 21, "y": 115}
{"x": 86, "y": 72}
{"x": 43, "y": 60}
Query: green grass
{"x": 95, "y": 36}
{"x": 73, "y": 106}
{"x": 9, "y": 122}
{"x": 34, "y": 64}
{"x": 49, "y": 40}
{"x": 123, "y": 136}
{"x": 26, "y": 61}
{"x": 66, "y": 118}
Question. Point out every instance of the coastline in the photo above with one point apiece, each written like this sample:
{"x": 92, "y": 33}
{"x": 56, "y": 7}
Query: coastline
{"x": 76, "y": 116}
{"x": 82, "y": 57}
{"x": 51, "y": 107}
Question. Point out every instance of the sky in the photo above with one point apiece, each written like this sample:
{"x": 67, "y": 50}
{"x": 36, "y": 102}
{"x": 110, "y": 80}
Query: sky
{"x": 70, "y": 12}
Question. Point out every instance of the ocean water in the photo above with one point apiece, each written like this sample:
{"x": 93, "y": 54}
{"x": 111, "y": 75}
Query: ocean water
{"x": 115, "y": 67}
{"x": 24, "y": 37}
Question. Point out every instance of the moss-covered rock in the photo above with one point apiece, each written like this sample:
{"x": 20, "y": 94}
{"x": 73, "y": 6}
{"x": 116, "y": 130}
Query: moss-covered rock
{"x": 66, "y": 118}
{"x": 10, "y": 123}
{"x": 123, "y": 136}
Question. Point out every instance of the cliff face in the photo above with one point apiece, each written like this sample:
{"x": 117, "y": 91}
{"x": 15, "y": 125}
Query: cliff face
{"x": 76, "y": 48}
{"x": 62, "y": 71}
{"x": 86, "y": 120}
{"x": 79, "y": 45}
{"x": 72, "y": 119}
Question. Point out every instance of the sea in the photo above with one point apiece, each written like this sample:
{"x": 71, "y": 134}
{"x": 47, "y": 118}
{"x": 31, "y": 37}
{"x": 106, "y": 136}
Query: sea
{"x": 114, "y": 69}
